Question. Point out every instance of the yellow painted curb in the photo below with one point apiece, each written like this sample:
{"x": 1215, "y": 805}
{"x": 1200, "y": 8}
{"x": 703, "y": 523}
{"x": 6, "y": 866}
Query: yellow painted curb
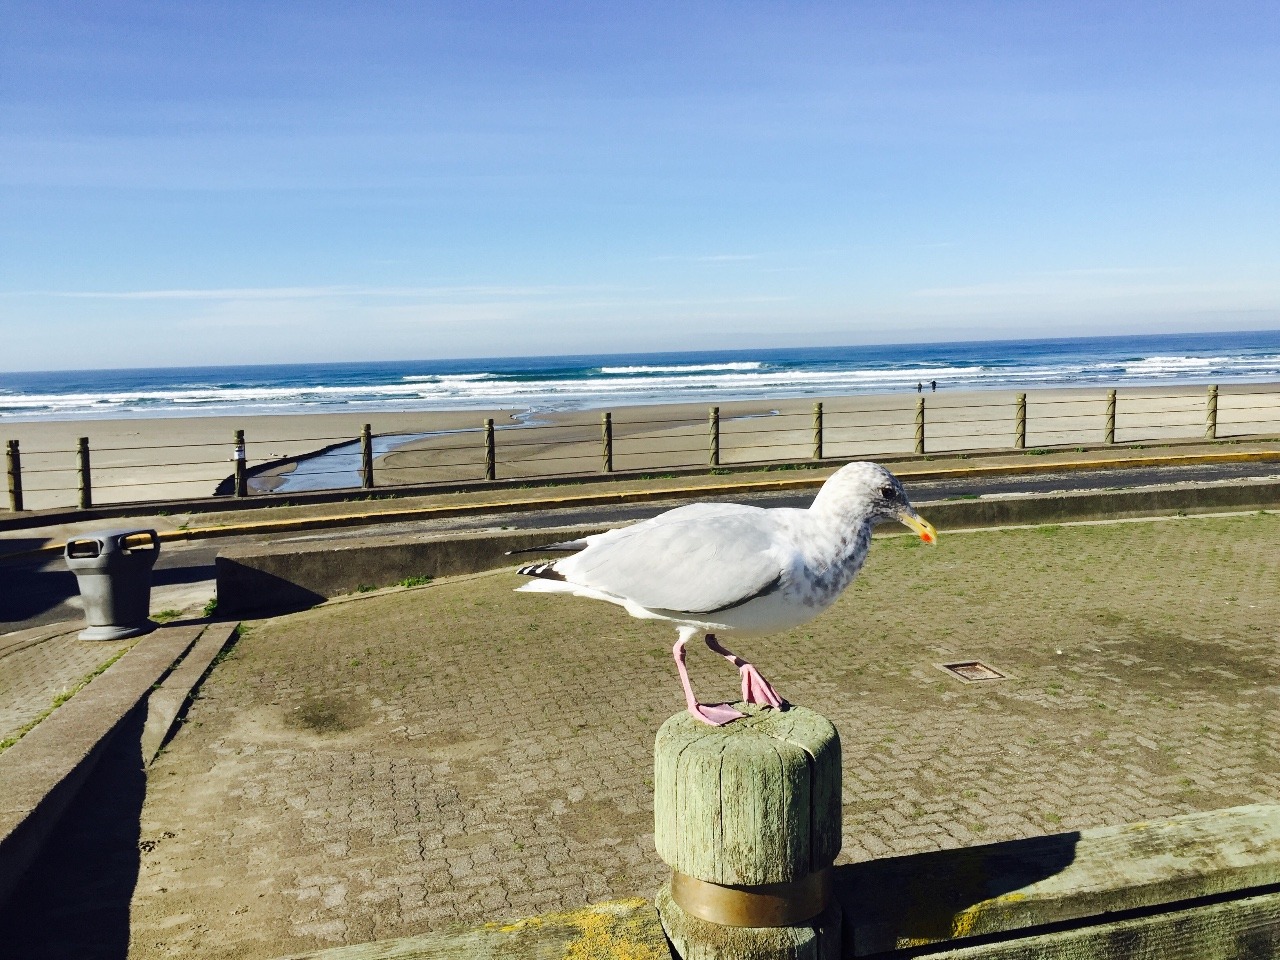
{"x": 678, "y": 492}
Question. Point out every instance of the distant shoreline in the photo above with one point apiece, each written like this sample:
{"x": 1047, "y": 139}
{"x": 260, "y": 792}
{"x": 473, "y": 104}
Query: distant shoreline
{"x": 607, "y": 381}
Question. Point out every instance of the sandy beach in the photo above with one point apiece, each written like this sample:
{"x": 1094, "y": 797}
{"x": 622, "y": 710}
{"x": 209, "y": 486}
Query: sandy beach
{"x": 165, "y": 458}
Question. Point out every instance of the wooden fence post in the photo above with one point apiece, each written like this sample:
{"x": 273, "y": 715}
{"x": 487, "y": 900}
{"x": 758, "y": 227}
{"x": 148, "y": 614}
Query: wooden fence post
{"x": 606, "y": 437}
{"x": 715, "y": 436}
{"x": 86, "y": 478}
{"x": 817, "y": 431}
{"x": 1110, "y": 436}
{"x": 1020, "y": 431}
{"x": 490, "y": 452}
{"x": 366, "y": 457}
{"x": 14, "y": 459}
{"x": 748, "y": 818}
{"x": 1211, "y": 414}
{"x": 920, "y": 425}
{"x": 240, "y": 459}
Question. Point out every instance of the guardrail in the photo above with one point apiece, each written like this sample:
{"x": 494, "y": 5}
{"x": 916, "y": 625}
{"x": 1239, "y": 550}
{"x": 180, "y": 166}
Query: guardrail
{"x": 630, "y": 440}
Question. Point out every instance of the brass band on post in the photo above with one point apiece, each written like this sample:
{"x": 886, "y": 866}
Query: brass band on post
{"x": 761, "y": 905}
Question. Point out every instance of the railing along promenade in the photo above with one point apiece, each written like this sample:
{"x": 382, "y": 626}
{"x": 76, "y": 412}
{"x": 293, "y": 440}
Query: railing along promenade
{"x": 639, "y": 439}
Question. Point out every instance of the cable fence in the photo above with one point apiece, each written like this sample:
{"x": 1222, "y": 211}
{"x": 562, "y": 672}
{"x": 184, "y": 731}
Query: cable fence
{"x": 630, "y": 441}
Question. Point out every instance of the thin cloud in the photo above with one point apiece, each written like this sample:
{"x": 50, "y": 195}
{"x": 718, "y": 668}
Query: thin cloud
{"x": 710, "y": 258}
{"x": 1090, "y": 282}
{"x": 298, "y": 293}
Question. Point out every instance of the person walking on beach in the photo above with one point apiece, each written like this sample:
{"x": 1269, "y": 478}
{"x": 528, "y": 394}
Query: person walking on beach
{"x": 919, "y": 388}
{"x": 933, "y": 385}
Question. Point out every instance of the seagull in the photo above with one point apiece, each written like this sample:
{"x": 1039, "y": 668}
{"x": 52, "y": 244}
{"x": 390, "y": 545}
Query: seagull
{"x": 728, "y": 569}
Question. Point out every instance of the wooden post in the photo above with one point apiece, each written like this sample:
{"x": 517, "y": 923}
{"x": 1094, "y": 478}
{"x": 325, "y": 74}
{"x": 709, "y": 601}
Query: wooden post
{"x": 606, "y": 437}
{"x": 920, "y": 425}
{"x": 817, "y": 431}
{"x": 15, "y": 475}
{"x": 1020, "y": 431}
{"x": 366, "y": 457}
{"x": 239, "y": 455}
{"x": 748, "y": 818}
{"x": 1110, "y": 436}
{"x": 490, "y": 452}
{"x": 715, "y": 437}
{"x": 1211, "y": 414}
{"x": 86, "y": 478}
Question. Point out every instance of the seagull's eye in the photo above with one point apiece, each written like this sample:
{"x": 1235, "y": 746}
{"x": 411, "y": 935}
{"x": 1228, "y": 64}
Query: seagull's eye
{"x": 888, "y": 491}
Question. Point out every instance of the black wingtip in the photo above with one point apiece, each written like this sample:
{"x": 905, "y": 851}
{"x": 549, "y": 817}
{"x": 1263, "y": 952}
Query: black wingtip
{"x": 566, "y": 546}
{"x": 546, "y": 571}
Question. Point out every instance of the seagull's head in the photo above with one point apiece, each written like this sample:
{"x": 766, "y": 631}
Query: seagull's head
{"x": 868, "y": 491}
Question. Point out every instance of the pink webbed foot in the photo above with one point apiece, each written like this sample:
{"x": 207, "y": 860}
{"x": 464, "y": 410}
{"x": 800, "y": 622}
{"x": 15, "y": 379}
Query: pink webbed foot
{"x": 756, "y": 689}
{"x": 715, "y": 714}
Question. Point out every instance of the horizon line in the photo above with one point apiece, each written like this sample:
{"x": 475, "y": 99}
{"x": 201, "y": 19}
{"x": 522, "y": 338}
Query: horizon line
{"x": 659, "y": 353}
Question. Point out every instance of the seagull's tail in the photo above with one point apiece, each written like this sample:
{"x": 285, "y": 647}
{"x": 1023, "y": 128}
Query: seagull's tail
{"x": 543, "y": 571}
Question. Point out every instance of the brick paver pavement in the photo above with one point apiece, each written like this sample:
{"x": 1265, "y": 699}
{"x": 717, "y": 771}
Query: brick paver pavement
{"x": 37, "y": 666}
{"x": 457, "y": 753}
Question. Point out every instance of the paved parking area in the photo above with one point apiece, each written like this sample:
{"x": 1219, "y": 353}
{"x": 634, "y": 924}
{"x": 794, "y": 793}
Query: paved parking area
{"x": 457, "y": 753}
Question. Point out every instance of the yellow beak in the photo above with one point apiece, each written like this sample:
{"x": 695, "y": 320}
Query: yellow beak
{"x": 920, "y": 525}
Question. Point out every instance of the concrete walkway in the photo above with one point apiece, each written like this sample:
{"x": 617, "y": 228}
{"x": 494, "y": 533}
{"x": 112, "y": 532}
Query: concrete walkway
{"x": 72, "y": 786}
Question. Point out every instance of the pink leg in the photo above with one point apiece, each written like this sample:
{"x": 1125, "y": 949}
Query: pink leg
{"x": 755, "y": 688}
{"x": 715, "y": 714}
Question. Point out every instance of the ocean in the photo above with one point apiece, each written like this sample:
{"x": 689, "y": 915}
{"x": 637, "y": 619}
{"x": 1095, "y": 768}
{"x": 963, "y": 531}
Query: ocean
{"x": 616, "y": 380}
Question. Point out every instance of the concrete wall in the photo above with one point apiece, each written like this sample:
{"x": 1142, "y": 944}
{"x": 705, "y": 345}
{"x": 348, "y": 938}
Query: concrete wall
{"x": 1103, "y": 505}
{"x": 264, "y": 579}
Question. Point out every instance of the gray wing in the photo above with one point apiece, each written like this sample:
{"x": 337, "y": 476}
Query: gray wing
{"x": 695, "y": 559}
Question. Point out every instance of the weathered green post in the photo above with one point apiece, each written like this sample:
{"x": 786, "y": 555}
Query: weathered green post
{"x": 1020, "y": 431}
{"x": 14, "y": 465}
{"x": 86, "y": 478}
{"x": 490, "y": 452}
{"x": 239, "y": 456}
{"x": 1211, "y": 414}
{"x": 606, "y": 441}
{"x": 1110, "y": 436}
{"x": 920, "y": 425}
{"x": 715, "y": 437}
{"x": 366, "y": 457}
{"x": 748, "y": 818}
{"x": 817, "y": 431}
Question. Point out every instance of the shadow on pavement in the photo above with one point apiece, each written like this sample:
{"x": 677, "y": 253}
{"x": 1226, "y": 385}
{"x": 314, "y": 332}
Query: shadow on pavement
{"x": 15, "y": 545}
{"x": 74, "y": 901}
{"x": 31, "y": 591}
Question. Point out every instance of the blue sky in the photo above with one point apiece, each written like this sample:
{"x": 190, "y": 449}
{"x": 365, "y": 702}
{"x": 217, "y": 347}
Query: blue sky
{"x": 275, "y": 182}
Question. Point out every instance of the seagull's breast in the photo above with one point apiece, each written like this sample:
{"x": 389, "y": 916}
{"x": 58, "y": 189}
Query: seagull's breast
{"x": 813, "y": 577}
{"x": 821, "y": 575}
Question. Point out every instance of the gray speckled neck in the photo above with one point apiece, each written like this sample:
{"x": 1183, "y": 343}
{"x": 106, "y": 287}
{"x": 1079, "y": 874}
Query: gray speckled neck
{"x": 832, "y": 565}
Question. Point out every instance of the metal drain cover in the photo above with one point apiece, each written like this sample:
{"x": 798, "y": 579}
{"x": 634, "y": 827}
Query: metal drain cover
{"x": 971, "y": 671}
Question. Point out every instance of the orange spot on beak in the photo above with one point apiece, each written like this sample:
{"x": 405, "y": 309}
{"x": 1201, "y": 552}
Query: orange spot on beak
{"x": 923, "y": 528}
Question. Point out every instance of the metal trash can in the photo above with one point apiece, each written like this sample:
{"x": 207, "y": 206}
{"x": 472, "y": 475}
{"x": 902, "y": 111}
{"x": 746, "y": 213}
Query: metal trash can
{"x": 113, "y": 569}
